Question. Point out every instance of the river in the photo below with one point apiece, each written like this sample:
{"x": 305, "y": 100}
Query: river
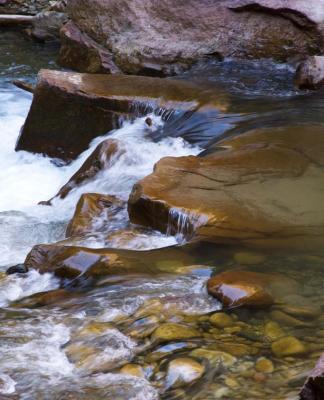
{"x": 59, "y": 351}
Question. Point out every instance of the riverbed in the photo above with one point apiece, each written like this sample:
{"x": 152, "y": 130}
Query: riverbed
{"x": 82, "y": 346}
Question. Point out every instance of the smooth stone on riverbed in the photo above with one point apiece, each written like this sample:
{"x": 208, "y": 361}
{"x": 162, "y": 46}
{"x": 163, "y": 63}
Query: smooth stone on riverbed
{"x": 214, "y": 357}
{"x": 172, "y": 331}
{"x": 183, "y": 371}
{"x": 272, "y": 331}
{"x": 133, "y": 369}
{"x": 221, "y": 320}
{"x": 264, "y": 365}
{"x": 288, "y": 346}
{"x": 244, "y": 288}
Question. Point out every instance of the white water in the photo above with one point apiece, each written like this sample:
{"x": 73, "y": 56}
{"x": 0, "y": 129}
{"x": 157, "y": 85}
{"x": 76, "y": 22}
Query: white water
{"x": 32, "y": 360}
{"x": 26, "y": 179}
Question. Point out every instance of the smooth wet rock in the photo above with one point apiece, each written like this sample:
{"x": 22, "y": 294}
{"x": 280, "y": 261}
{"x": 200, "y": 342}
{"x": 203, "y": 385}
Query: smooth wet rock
{"x": 273, "y": 331}
{"x": 261, "y": 188}
{"x": 101, "y": 158}
{"x": 248, "y": 289}
{"x": 214, "y": 357}
{"x": 313, "y": 388}
{"x": 133, "y": 369}
{"x": 89, "y": 207}
{"x": 183, "y": 371}
{"x": 71, "y": 261}
{"x": 71, "y": 109}
{"x": 221, "y": 320}
{"x": 288, "y": 346}
{"x": 17, "y": 269}
{"x": 144, "y": 39}
{"x": 310, "y": 73}
{"x": 172, "y": 331}
{"x": 264, "y": 365}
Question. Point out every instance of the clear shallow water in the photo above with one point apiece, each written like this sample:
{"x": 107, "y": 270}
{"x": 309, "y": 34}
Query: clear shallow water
{"x": 56, "y": 349}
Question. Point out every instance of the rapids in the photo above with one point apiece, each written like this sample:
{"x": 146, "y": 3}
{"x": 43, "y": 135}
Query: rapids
{"x": 57, "y": 351}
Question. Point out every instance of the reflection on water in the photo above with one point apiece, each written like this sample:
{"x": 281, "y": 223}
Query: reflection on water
{"x": 117, "y": 338}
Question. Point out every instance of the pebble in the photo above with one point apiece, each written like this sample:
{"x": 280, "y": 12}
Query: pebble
{"x": 133, "y": 369}
{"x": 288, "y": 346}
{"x": 173, "y": 331}
{"x": 214, "y": 357}
{"x": 264, "y": 365}
{"x": 221, "y": 320}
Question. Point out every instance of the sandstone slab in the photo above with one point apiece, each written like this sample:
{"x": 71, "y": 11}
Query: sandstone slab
{"x": 71, "y": 109}
{"x": 263, "y": 188}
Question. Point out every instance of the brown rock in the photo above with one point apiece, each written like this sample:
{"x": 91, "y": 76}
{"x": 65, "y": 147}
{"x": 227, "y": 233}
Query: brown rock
{"x": 81, "y": 53}
{"x": 163, "y": 40}
{"x": 99, "y": 160}
{"x": 310, "y": 73}
{"x": 70, "y": 109}
{"x": 90, "y": 206}
{"x": 262, "y": 189}
{"x": 249, "y": 289}
{"x": 71, "y": 261}
{"x": 314, "y": 386}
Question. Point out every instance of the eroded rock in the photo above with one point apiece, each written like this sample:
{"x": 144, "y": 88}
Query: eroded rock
{"x": 163, "y": 40}
{"x": 81, "y": 53}
{"x": 71, "y": 109}
{"x": 89, "y": 207}
{"x": 100, "y": 159}
{"x": 262, "y": 188}
{"x": 310, "y": 73}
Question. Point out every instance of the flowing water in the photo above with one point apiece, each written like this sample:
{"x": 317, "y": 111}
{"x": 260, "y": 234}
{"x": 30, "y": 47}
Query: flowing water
{"x": 75, "y": 348}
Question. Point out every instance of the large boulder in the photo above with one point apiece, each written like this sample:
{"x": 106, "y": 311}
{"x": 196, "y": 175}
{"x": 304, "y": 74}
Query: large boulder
{"x": 166, "y": 36}
{"x": 263, "y": 188}
{"x": 70, "y": 109}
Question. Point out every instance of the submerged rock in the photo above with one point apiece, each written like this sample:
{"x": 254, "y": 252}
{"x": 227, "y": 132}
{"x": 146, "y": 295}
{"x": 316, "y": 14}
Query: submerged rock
{"x": 310, "y": 73}
{"x": 71, "y": 109}
{"x": 172, "y": 331}
{"x": 248, "y": 289}
{"x": 288, "y": 346}
{"x": 89, "y": 207}
{"x": 262, "y": 188}
{"x": 183, "y": 371}
{"x": 163, "y": 40}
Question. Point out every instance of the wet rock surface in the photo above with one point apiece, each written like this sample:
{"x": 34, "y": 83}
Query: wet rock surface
{"x": 70, "y": 109}
{"x": 244, "y": 193}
